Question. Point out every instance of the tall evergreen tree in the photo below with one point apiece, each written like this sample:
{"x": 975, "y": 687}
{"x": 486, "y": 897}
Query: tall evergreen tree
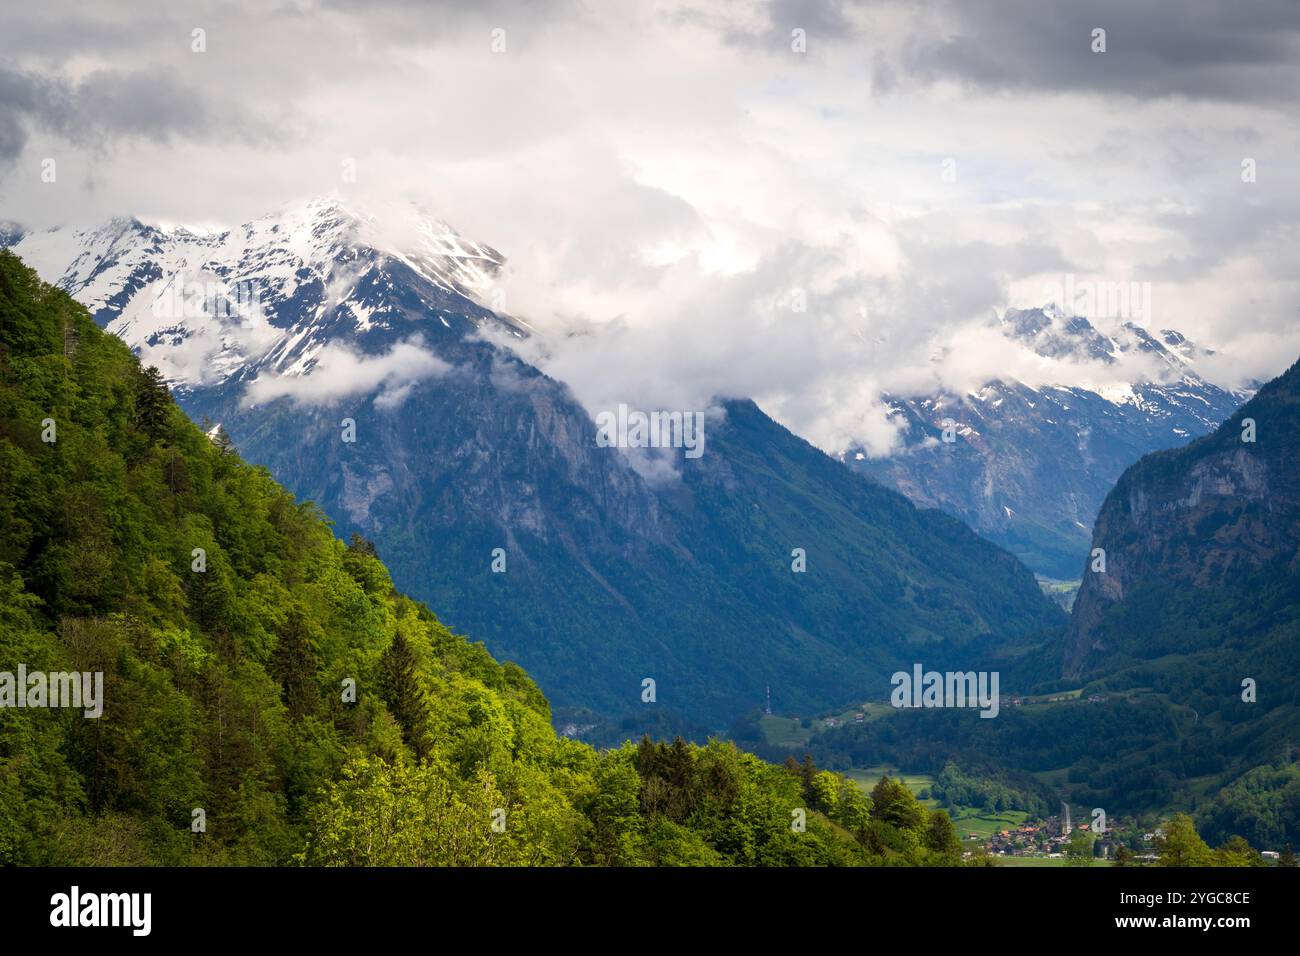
{"x": 151, "y": 401}
{"x": 893, "y": 803}
{"x": 807, "y": 774}
{"x": 401, "y": 692}
{"x": 225, "y": 444}
{"x": 941, "y": 835}
{"x": 294, "y": 665}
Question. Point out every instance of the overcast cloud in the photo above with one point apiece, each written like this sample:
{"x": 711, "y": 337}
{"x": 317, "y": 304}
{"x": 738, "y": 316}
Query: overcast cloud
{"x": 671, "y": 181}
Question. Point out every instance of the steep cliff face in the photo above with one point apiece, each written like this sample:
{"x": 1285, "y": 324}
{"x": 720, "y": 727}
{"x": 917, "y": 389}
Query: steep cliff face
{"x": 1196, "y": 540}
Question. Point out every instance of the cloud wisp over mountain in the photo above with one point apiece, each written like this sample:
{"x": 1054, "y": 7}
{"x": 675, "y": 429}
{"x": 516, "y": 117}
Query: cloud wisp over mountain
{"x": 339, "y": 372}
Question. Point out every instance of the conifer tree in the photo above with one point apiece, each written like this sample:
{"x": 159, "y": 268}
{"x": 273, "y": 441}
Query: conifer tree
{"x": 225, "y": 444}
{"x": 807, "y": 774}
{"x": 294, "y": 665}
{"x": 151, "y": 401}
{"x": 362, "y": 545}
{"x": 400, "y": 690}
{"x": 941, "y": 835}
{"x": 893, "y": 803}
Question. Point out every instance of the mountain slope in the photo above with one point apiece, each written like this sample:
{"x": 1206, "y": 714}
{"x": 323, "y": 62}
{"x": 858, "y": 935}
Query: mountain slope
{"x": 223, "y": 684}
{"x": 274, "y": 699}
{"x": 612, "y": 574}
{"x": 1030, "y": 466}
{"x": 1202, "y": 546}
{"x": 1199, "y": 605}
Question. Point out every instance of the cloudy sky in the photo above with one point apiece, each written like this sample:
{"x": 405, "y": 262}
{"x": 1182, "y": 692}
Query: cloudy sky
{"x": 805, "y": 202}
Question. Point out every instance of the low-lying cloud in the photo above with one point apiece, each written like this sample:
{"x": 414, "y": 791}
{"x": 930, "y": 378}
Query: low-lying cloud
{"x": 339, "y": 372}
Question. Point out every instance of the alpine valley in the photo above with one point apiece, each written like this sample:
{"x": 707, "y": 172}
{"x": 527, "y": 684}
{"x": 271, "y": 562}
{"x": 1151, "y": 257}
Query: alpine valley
{"x": 1174, "y": 685}
{"x": 354, "y": 357}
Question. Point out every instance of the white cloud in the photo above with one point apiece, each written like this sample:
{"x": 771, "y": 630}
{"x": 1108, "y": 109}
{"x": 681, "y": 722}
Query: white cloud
{"x": 339, "y": 372}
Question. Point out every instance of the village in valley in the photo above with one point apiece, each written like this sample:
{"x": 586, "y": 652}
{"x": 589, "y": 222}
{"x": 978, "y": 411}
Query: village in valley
{"x": 1051, "y": 839}
{"x": 1082, "y": 836}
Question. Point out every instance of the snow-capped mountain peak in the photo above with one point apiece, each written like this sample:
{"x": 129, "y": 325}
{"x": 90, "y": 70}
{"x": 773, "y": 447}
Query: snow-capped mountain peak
{"x": 1028, "y": 465}
{"x": 208, "y": 305}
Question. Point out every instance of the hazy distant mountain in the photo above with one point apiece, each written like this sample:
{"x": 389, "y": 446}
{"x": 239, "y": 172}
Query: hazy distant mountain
{"x": 1030, "y": 465}
{"x": 611, "y": 576}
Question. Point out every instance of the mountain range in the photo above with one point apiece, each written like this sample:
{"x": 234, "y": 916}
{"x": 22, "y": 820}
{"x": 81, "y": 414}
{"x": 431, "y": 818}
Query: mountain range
{"x": 764, "y": 563}
{"x": 314, "y": 321}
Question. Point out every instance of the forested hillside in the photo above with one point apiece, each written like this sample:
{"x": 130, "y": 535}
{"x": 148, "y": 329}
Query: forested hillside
{"x": 270, "y": 698}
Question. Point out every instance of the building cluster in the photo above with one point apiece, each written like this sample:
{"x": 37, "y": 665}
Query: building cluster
{"x": 1051, "y": 839}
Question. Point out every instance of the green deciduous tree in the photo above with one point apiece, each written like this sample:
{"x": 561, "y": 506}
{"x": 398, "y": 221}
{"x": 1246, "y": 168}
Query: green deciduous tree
{"x": 1180, "y": 844}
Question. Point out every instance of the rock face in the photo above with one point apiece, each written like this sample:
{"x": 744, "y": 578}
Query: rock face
{"x": 372, "y": 382}
{"x": 1214, "y": 526}
{"x": 1031, "y": 465}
